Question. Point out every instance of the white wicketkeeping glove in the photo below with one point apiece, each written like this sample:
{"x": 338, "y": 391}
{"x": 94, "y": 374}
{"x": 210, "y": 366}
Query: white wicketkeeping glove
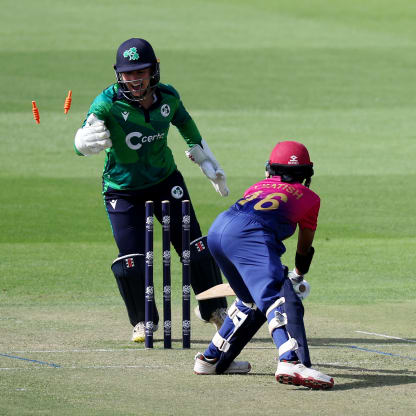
{"x": 93, "y": 137}
{"x": 301, "y": 287}
{"x": 203, "y": 156}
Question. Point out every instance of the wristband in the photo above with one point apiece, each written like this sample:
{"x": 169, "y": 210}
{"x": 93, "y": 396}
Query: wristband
{"x": 302, "y": 262}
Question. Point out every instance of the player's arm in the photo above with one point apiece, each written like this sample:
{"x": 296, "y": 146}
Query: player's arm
{"x": 303, "y": 259}
{"x": 307, "y": 226}
{"x": 304, "y": 254}
{"x": 305, "y": 250}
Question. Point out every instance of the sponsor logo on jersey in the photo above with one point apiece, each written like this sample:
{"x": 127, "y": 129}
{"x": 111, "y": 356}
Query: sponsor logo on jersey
{"x": 165, "y": 110}
{"x": 125, "y": 115}
{"x": 113, "y": 203}
{"x": 140, "y": 139}
{"x": 131, "y": 54}
{"x": 177, "y": 192}
{"x": 293, "y": 160}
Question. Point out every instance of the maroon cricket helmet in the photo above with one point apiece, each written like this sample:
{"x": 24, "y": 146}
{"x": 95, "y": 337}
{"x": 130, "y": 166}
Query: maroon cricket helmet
{"x": 290, "y": 160}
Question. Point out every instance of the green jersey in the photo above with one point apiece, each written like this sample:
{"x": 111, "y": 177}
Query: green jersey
{"x": 140, "y": 156}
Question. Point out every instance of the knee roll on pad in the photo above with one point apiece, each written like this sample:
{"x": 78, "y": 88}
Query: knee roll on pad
{"x": 241, "y": 324}
{"x": 205, "y": 274}
{"x": 128, "y": 271}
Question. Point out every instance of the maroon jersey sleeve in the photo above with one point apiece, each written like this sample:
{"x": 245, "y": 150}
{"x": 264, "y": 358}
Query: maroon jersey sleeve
{"x": 310, "y": 217}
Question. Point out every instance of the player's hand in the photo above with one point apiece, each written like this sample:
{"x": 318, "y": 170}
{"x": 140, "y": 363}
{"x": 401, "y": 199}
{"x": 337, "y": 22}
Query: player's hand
{"x": 219, "y": 183}
{"x": 209, "y": 166}
{"x": 93, "y": 137}
{"x": 301, "y": 287}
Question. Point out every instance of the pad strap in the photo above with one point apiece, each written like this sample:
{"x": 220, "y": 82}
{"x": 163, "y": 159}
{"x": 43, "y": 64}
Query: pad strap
{"x": 237, "y": 316}
{"x": 252, "y": 306}
{"x": 280, "y": 319}
{"x": 290, "y": 345}
{"x": 279, "y": 301}
{"x": 221, "y": 343}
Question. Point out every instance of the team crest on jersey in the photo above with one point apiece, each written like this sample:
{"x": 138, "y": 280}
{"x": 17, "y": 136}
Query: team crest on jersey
{"x": 165, "y": 110}
{"x": 125, "y": 115}
{"x": 177, "y": 192}
{"x": 131, "y": 54}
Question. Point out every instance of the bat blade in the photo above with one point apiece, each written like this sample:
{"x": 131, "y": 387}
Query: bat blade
{"x": 218, "y": 291}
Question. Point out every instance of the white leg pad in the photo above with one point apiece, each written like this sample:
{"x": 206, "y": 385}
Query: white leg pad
{"x": 238, "y": 317}
{"x": 290, "y": 345}
{"x": 232, "y": 310}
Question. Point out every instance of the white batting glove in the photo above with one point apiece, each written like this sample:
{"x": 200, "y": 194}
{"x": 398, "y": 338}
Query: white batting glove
{"x": 301, "y": 287}
{"x": 294, "y": 276}
{"x": 209, "y": 166}
{"x": 93, "y": 137}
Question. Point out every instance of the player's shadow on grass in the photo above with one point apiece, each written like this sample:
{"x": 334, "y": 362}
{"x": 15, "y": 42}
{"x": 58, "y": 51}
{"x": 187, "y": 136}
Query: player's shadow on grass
{"x": 366, "y": 378}
{"x": 362, "y": 377}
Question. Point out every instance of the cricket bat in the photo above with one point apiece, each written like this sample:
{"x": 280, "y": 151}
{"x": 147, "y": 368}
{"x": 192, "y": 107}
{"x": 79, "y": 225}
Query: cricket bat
{"x": 217, "y": 291}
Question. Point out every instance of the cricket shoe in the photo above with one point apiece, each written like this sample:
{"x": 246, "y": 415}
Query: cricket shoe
{"x": 299, "y": 375}
{"x": 217, "y": 317}
{"x": 205, "y": 366}
{"x": 139, "y": 333}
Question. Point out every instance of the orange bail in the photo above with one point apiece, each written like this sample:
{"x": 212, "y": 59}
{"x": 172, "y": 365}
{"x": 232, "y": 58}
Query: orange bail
{"x": 35, "y": 112}
{"x": 68, "y": 101}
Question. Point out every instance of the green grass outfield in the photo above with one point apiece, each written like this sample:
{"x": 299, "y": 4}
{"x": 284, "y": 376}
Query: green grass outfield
{"x": 337, "y": 75}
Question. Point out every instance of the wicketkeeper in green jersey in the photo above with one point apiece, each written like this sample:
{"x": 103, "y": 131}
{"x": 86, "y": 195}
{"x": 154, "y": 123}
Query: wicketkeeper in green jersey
{"x": 130, "y": 120}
